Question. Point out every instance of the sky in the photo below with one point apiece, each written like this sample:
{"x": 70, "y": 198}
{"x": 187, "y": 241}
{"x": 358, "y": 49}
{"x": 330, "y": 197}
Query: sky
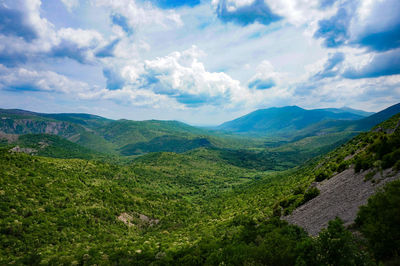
{"x": 200, "y": 62}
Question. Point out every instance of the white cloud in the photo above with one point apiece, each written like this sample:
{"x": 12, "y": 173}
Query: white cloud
{"x": 23, "y": 79}
{"x": 133, "y": 96}
{"x": 82, "y": 38}
{"x": 375, "y": 17}
{"x": 266, "y": 77}
{"x": 181, "y": 76}
{"x": 76, "y": 44}
{"x": 182, "y": 80}
{"x": 141, "y": 14}
{"x": 70, "y": 4}
{"x": 233, "y": 5}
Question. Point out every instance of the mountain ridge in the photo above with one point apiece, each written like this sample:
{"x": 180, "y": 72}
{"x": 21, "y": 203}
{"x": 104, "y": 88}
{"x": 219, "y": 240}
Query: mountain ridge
{"x": 278, "y": 120}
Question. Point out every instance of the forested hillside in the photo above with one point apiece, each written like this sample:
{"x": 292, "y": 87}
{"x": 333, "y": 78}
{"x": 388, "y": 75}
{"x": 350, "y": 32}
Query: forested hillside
{"x": 203, "y": 206}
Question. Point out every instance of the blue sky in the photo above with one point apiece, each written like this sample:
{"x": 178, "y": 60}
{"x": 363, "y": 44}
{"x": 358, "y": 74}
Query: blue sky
{"x": 201, "y": 62}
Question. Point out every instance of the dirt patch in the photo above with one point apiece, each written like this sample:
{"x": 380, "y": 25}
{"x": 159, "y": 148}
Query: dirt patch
{"x": 126, "y": 219}
{"x": 138, "y": 219}
{"x": 147, "y": 220}
{"x": 340, "y": 196}
{"x": 18, "y": 149}
{"x": 9, "y": 137}
{"x": 43, "y": 144}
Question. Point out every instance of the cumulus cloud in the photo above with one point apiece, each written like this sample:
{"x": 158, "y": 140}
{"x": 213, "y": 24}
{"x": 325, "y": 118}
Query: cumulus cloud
{"x": 108, "y": 49}
{"x": 362, "y": 23}
{"x": 377, "y": 25}
{"x": 331, "y": 67}
{"x": 76, "y": 44}
{"x": 245, "y": 12}
{"x": 380, "y": 64}
{"x": 181, "y": 80}
{"x": 133, "y": 96}
{"x": 352, "y": 78}
{"x": 179, "y": 76}
{"x": 265, "y": 78}
{"x": 13, "y": 23}
{"x": 33, "y": 37}
{"x": 373, "y": 27}
{"x": 23, "y": 79}
{"x": 334, "y": 30}
{"x": 131, "y": 15}
{"x": 122, "y": 22}
{"x": 367, "y": 93}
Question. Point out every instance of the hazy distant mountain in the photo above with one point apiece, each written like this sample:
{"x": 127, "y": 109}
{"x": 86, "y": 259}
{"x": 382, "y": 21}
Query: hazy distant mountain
{"x": 128, "y": 137}
{"x": 287, "y": 119}
{"x": 349, "y": 110}
{"x": 351, "y": 126}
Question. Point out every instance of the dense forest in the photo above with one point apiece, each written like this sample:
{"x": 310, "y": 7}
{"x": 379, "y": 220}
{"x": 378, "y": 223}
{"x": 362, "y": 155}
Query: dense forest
{"x": 170, "y": 194}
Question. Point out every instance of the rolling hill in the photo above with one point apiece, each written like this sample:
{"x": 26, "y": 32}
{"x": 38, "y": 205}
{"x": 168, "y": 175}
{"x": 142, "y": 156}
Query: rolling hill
{"x": 293, "y": 142}
{"x": 123, "y": 136}
{"x": 283, "y": 121}
{"x": 292, "y": 124}
{"x": 193, "y": 208}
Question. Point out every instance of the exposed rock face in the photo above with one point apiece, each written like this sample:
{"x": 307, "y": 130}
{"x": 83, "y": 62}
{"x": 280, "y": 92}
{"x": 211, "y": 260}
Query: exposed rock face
{"x": 148, "y": 220}
{"x": 23, "y": 150}
{"x": 27, "y": 126}
{"x": 9, "y": 137}
{"x": 340, "y": 196}
{"x": 126, "y": 219}
{"x": 137, "y": 219}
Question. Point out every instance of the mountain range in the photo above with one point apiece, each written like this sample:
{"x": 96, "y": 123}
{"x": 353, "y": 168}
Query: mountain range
{"x": 284, "y": 120}
{"x": 271, "y": 127}
{"x": 82, "y": 189}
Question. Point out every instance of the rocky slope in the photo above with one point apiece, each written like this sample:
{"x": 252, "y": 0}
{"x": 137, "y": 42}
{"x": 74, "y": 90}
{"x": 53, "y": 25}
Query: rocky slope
{"x": 348, "y": 176}
{"x": 340, "y": 196}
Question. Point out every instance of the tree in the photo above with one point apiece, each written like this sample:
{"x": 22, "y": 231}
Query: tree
{"x": 379, "y": 221}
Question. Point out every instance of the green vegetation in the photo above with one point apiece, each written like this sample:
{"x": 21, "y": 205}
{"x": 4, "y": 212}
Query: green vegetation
{"x": 283, "y": 121}
{"x": 334, "y": 246}
{"x": 215, "y": 200}
{"x": 165, "y": 143}
{"x": 310, "y": 194}
{"x": 66, "y": 211}
{"x": 62, "y": 205}
{"x": 54, "y": 146}
{"x": 379, "y": 221}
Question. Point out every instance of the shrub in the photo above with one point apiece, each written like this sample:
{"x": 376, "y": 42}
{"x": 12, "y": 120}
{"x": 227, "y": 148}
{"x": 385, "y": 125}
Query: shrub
{"x": 390, "y": 159}
{"x": 310, "y": 194}
{"x": 369, "y": 176}
{"x": 321, "y": 176}
{"x": 337, "y": 246}
{"x": 334, "y": 246}
{"x": 379, "y": 221}
{"x": 363, "y": 163}
{"x": 342, "y": 166}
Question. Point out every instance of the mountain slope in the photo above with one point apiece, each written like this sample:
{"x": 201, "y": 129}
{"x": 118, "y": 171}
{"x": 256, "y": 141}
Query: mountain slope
{"x": 350, "y": 126}
{"x": 46, "y": 145}
{"x": 101, "y": 134}
{"x": 349, "y": 110}
{"x": 165, "y": 143}
{"x": 168, "y": 209}
{"x": 24, "y": 122}
{"x": 350, "y": 175}
{"x": 284, "y": 120}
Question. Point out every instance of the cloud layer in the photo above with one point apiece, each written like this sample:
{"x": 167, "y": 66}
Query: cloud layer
{"x": 221, "y": 55}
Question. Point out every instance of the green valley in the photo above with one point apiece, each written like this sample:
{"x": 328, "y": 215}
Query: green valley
{"x": 81, "y": 189}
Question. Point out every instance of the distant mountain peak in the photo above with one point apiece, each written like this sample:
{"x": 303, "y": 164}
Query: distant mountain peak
{"x": 272, "y": 121}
